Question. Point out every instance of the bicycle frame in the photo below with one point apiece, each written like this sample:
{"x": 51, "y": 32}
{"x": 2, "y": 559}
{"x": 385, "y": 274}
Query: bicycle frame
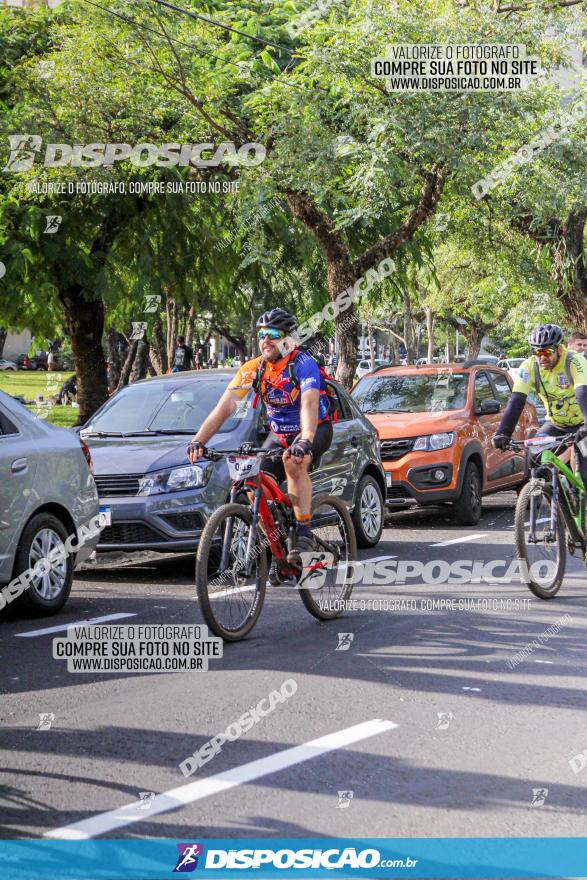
{"x": 262, "y": 487}
{"x": 265, "y": 490}
{"x": 575, "y": 523}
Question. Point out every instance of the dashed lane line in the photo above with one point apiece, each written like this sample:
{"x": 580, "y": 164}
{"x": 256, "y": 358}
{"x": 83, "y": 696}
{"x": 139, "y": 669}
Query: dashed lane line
{"x": 64, "y": 626}
{"x": 203, "y": 788}
{"x": 475, "y": 537}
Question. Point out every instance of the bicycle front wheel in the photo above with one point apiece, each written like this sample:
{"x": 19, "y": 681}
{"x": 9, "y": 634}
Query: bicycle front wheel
{"x": 327, "y": 580}
{"x": 231, "y": 588}
{"x": 543, "y": 552}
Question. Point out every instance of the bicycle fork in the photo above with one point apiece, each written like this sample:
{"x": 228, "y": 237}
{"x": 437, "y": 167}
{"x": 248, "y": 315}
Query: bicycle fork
{"x": 534, "y": 495}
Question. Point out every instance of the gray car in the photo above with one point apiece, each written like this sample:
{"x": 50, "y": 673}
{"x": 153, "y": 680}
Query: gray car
{"x": 47, "y": 493}
{"x": 153, "y": 499}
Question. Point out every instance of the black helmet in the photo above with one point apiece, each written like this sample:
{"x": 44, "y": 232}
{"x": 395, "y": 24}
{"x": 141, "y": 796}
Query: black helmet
{"x": 546, "y": 335}
{"x": 278, "y": 319}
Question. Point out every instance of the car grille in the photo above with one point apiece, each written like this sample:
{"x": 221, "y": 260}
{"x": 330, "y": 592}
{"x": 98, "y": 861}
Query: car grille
{"x": 398, "y": 492}
{"x": 391, "y": 450}
{"x": 110, "y": 485}
{"x": 183, "y": 522}
{"x": 130, "y": 533}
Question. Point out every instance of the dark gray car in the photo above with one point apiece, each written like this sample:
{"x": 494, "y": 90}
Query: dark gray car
{"x": 47, "y": 494}
{"x": 153, "y": 499}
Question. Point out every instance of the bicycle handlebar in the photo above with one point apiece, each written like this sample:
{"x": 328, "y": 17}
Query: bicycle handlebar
{"x": 245, "y": 449}
{"x": 560, "y": 441}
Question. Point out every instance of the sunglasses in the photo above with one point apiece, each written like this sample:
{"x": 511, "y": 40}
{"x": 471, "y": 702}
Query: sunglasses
{"x": 270, "y": 334}
{"x": 544, "y": 352}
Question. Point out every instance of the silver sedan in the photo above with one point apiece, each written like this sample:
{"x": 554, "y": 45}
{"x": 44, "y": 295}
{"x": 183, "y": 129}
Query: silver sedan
{"x": 48, "y": 509}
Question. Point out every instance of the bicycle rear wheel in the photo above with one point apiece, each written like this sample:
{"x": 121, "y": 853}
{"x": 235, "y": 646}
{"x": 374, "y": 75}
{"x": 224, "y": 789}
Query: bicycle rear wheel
{"x": 230, "y": 600}
{"x": 548, "y": 553}
{"x": 323, "y": 590}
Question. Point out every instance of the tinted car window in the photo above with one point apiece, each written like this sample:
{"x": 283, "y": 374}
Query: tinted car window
{"x": 483, "y": 389}
{"x": 342, "y": 408}
{"x": 6, "y": 426}
{"x": 420, "y": 392}
{"x": 161, "y": 407}
{"x": 502, "y": 387}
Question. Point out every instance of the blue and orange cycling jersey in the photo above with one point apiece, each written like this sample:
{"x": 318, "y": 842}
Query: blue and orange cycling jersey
{"x": 281, "y": 395}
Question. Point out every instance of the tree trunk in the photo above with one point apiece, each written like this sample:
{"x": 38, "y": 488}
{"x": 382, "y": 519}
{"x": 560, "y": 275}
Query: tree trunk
{"x": 409, "y": 329}
{"x": 430, "y": 320}
{"x": 189, "y": 336}
{"x": 171, "y": 311}
{"x": 141, "y": 362}
{"x": 450, "y": 350}
{"x": 371, "y": 345}
{"x": 114, "y": 364}
{"x": 565, "y": 242}
{"x": 3, "y": 335}
{"x": 394, "y": 345}
{"x": 130, "y": 357}
{"x": 575, "y": 292}
{"x": 159, "y": 348}
{"x": 474, "y": 337}
{"x": 85, "y": 322}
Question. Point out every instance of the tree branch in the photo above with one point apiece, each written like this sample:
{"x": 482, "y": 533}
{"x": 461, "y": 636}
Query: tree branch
{"x": 431, "y": 192}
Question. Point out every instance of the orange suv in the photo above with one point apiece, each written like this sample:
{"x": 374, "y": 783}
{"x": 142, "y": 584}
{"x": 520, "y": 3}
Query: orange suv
{"x": 435, "y": 423}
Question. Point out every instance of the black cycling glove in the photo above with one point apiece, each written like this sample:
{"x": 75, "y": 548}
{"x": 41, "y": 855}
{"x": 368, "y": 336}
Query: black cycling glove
{"x": 300, "y": 448}
{"x": 195, "y": 446}
{"x": 501, "y": 441}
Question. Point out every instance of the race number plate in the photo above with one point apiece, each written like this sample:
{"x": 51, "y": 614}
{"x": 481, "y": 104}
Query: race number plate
{"x": 240, "y": 467}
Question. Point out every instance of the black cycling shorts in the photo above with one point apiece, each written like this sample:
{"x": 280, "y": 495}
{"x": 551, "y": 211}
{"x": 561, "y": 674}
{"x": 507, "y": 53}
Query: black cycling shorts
{"x": 321, "y": 442}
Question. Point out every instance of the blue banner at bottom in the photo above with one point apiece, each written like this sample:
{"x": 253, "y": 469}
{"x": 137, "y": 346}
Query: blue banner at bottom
{"x": 415, "y": 858}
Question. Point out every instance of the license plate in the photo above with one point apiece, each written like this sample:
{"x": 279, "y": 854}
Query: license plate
{"x": 388, "y": 479}
{"x": 105, "y": 515}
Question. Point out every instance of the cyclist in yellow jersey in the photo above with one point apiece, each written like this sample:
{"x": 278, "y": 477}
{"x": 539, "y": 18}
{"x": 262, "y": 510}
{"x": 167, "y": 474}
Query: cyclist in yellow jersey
{"x": 559, "y": 377}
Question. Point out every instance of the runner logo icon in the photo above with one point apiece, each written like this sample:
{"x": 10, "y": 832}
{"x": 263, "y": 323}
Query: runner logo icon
{"x": 187, "y": 860}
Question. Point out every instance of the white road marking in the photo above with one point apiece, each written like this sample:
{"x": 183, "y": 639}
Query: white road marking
{"x": 478, "y": 690}
{"x": 540, "y": 519}
{"x": 460, "y": 540}
{"x": 64, "y": 626}
{"x": 232, "y": 591}
{"x": 195, "y": 791}
{"x": 376, "y": 558}
{"x": 340, "y": 566}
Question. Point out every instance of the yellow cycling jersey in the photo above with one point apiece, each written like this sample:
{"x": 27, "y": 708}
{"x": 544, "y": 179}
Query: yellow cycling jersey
{"x": 555, "y": 390}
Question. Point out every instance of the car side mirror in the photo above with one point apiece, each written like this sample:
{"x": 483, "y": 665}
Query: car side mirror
{"x": 488, "y": 407}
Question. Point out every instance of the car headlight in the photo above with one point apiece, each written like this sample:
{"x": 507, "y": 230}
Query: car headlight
{"x": 432, "y": 442}
{"x": 192, "y": 476}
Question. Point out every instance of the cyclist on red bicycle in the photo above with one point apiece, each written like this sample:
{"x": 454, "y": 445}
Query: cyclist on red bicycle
{"x": 299, "y": 413}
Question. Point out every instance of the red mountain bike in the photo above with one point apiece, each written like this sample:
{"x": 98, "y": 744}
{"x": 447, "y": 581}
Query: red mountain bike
{"x": 231, "y": 565}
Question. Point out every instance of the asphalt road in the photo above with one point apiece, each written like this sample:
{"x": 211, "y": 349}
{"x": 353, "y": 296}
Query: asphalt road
{"x": 471, "y": 734}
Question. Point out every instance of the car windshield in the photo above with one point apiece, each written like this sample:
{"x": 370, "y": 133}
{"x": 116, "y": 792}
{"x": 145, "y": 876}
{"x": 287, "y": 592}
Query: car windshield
{"x": 164, "y": 407}
{"x": 423, "y": 392}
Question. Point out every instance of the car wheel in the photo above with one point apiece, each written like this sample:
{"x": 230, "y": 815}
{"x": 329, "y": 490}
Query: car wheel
{"x": 47, "y": 593}
{"x": 368, "y": 512}
{"x": 467, "y": 508}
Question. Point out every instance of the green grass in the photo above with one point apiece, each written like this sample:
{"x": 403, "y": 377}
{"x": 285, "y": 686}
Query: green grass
{"x": 30, "y": 383}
